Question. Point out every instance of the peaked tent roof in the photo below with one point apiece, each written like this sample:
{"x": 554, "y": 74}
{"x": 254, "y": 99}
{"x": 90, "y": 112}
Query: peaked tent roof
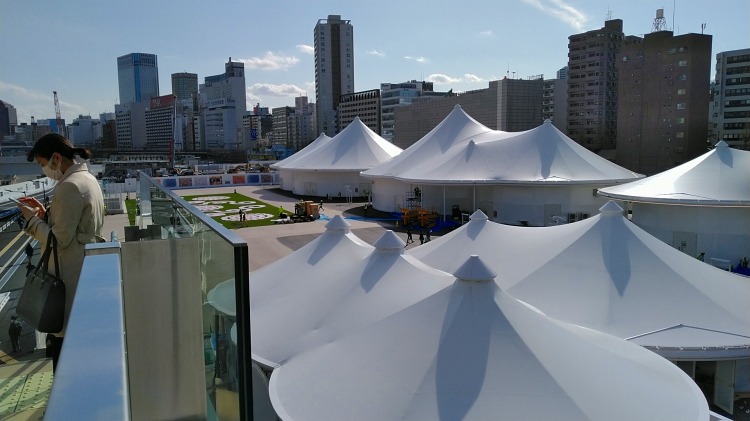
{"x": 458, "y": 127}
{"x": 319, "y": 141}
{"x": 717, "y": 178}
{"x": 473, "y": 352}
{"x": 356, "y": 148}
{"x": 608, "y": 274}
{"x": 543, "y": 155}
{"x": 295, "y": 308}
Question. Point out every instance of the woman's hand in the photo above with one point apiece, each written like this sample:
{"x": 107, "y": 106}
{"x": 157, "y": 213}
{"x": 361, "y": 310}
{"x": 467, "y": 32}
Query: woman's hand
{"x": 33, "y": 207}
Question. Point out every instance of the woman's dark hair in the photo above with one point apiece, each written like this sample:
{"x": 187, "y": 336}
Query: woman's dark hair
{"x": 55, "y": 143}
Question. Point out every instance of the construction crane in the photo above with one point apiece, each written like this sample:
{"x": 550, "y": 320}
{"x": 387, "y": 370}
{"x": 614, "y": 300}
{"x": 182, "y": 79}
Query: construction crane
{"x": 60, "y": 128}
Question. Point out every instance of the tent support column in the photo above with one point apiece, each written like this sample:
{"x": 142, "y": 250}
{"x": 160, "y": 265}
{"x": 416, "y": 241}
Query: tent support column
{"x": 443, "y": 204}
{"x": 475, "y": 199}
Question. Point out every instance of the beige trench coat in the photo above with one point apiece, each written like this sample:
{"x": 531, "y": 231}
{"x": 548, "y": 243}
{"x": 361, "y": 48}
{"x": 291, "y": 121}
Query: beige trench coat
{"x": 75, "y": 216}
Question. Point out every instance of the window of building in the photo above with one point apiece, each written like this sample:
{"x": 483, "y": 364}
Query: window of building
{"x": 683, "y": 77}
{"x": 682, "y": 63}
{"x": 681, "y": 91}
{"x": 680, "y": 120}
{"x": 679, "y": 135}
{"x": 681, "y": 106}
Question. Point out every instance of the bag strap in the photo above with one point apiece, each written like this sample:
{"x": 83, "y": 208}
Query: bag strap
{"x": 44, "y": 261}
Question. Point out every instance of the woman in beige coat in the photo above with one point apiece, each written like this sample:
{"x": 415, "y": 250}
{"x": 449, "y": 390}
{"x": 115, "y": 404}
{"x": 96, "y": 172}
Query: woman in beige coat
{"x": 75, "y": 216}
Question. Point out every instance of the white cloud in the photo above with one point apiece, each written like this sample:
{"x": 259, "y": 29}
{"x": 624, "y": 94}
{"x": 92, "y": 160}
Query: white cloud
{"x": 376, "y": 53}
{"x": 562, "y": 11}
{"x": 24, "y": 93}
{"x": 307, "y": 49}
{"x": 418, "y": 59}
{"x": 468, "y": 77}
{"x": 270, "y": 61}
{"x": 487, "y": 33}
{"x": 267, "y": 89}
{"x": 442, "y": 79}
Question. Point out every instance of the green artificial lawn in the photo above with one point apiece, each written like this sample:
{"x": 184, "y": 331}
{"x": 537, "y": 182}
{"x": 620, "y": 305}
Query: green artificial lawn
{"x": 232, "y": 209}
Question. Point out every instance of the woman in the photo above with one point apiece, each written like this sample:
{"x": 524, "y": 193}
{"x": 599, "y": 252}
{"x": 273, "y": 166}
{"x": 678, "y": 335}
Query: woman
{"x": 75, "y": 216}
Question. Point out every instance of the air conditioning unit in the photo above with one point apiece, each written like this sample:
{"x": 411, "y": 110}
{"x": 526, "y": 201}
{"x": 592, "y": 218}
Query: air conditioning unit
{"x": 572, "y": 217}
{"x": 584, "y": 215}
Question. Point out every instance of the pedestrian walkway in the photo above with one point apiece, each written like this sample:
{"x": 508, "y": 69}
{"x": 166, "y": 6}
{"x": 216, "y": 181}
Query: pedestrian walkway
{"x": 24, "y": 389}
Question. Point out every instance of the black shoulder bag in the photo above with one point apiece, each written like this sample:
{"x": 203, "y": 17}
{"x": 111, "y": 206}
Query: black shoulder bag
{"x": 42, "y": 301}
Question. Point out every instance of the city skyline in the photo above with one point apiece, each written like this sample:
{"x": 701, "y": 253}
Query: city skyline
{"x": 74, "y": 50}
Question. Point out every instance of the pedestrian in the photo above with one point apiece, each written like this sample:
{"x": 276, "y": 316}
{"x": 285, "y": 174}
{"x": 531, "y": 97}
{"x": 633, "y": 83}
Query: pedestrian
{"x": 75, "y": 216}
{"x": 421, "y": 237}
{"x": 321, "y": 204}
{"x": 241, "y": 214}
{"x": 427, "y": 238}
{"x": 365, "y": 210}
{"x": 14, "y": 331}
{"x": 29, "y": 251}
{"x": 408, "y": 234}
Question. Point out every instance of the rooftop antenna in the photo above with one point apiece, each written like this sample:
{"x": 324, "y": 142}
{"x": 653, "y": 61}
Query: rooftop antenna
{"x": 660, "y": 24}
{"x": 507, "y": 72}
{"x": 674, "y": 6}
{"x": 609, "y": 13}
{"x": 703, "y": 26}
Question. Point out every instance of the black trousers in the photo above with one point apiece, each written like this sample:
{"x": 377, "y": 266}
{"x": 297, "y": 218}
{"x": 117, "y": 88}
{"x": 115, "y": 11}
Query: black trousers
{"x": 54, "y": 345}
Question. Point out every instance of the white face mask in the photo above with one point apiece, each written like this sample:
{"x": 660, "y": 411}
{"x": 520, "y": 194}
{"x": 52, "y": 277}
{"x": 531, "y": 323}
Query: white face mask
{"x": 53, "y": 174}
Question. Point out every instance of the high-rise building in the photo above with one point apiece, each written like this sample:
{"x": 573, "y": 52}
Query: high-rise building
{"x": 365, "y": 105}
{"x": 138, "y": 76}
{"x": 334, "y": 69}
{"x": 554, "y": 102}
{"x": 160, "y": 124}
{"x": 732, "y": 100}
{"x": 663, "y": 99}
{"x": 184, "y": 85}
{"x": 8, "y": 118}
{"x": 84, "y": 131}
{"x": 592, "y": 86}
{"x": 223, "y": 104}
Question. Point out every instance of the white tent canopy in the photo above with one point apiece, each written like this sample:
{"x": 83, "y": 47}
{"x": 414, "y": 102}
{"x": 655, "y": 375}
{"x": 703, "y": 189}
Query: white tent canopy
{"x": 354, "y": 148}
{"x": 316, "y": 295}
{"x": 321, "y": 140}
{"x": 543, "y": 155}
{"x": 456, "y": 128}
{"x": 717, "y": 178}
{"x": 472, "y": 352}
{"x": 608, "y": 274}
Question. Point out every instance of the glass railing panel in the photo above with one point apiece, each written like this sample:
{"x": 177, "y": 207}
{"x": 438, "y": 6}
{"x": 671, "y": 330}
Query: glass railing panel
{"x": 224, "y": 275}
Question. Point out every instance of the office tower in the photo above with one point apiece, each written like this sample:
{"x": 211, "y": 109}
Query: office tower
{"x": 334, "y": 69}
{"x": 8, "y": 118}
{"x": 394, "y": 95}
{"x": 592, "y": 86}
{"x": 554, "y": 102}
{"x": 160, "y": 124}
{"x": 663, "y": 99}
{"x": 138, "y": 76}
{"x": 732, "y": 100}
{"x": 365, "y": 105}
{"x": 304, "y": 123}
{"x": 562, "y": 74}
{"x": 223, "y": 103}
{"x": 184, "y": 85}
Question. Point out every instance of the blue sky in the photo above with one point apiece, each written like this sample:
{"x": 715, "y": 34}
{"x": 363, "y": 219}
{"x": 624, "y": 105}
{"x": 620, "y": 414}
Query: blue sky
{"x": 72, "y": 46}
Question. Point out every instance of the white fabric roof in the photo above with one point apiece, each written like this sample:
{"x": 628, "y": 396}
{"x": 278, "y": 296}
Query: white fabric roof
{"x": 543, "y": 155}
{"x": 717, "y": 178}
{"x": 458, "y": 127}
{"x": 472, "y": 352}
{"x": 608, "y": 274}
{"x": 354, "y": 148}
{"x": 321, "y": 140}
{"x": 320, "y": 292}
